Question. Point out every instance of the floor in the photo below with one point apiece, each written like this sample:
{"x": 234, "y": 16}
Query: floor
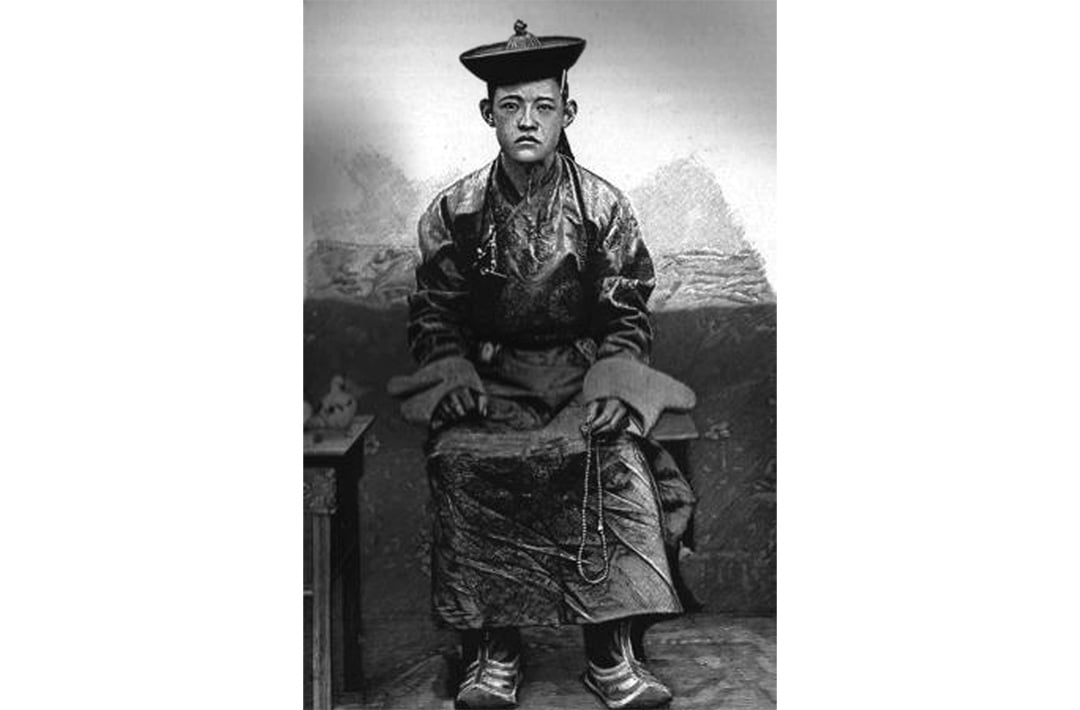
{"x": 711, "y": 662}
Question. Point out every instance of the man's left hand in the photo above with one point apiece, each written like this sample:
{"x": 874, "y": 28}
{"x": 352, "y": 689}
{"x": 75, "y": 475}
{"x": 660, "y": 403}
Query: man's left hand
{"x": 608, "y": 415}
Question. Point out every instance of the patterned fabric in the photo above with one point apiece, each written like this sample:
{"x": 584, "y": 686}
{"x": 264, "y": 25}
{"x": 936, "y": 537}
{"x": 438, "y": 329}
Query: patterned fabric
{"x": 533, "y": 288}
{"x": 590, "y": 277}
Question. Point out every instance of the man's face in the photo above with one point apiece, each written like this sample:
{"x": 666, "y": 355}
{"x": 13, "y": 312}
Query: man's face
{"x": 528, "y": 119}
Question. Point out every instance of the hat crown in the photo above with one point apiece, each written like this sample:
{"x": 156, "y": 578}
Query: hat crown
{"x": 522, "y": 38}
{"x": 523, "y": 57}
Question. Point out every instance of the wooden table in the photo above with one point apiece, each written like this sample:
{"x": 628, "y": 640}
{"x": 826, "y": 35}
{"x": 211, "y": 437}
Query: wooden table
{"x": 333, "y": 465}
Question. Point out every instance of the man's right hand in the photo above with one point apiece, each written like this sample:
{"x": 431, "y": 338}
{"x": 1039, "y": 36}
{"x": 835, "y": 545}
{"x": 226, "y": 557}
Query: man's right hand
{"x": 460, "y": 402}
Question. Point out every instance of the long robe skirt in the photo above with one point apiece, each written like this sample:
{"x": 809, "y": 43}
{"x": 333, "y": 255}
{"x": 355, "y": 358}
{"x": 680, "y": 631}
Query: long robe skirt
{"x": 508, "y": 499}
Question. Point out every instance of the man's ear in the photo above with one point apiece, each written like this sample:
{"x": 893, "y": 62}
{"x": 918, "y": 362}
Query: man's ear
{"x": 569, "y": 113}
{"x": 485, "y": 112}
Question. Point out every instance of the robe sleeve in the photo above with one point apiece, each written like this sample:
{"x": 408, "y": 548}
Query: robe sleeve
{"x": 624, "y": 281}
{"x": 438, "y": 311}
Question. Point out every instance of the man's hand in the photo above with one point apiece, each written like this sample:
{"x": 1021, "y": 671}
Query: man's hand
{"x": 460, "y": 402}
{"x": 608, "y": 415}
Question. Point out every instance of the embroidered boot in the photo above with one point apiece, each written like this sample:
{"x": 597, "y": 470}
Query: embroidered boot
{"x": 493, "y": 673}
{"x": 615, "y": 674}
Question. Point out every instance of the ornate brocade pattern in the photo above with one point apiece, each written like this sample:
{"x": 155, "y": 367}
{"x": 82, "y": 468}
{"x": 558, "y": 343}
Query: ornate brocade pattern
{"x": 533, "y": 277}
{"x": 540, "y": 248}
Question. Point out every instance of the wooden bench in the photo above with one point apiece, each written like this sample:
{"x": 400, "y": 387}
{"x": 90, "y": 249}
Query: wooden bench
{"x": 675, "y": 430}
{"x": 333, "y": 465}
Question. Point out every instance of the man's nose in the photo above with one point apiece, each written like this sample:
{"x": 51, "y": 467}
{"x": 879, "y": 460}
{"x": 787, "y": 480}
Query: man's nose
{"x": 526, "y": 119}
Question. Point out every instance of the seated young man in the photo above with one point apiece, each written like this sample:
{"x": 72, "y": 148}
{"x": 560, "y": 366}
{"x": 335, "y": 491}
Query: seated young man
{"x": 531, "y": 328}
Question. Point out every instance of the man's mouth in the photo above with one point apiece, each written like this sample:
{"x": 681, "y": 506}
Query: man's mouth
{"x": 527, "y": 139}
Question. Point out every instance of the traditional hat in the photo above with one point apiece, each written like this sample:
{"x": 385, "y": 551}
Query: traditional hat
{"x": 523, "y": 57}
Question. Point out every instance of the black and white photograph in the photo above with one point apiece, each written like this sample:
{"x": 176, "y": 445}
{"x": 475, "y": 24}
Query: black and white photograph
{"x": 540, "y": 355}
{"x": 565, "y": 284}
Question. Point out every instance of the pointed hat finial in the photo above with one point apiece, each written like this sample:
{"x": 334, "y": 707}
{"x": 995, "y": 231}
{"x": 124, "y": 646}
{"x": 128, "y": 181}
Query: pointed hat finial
{"x": 522, "y": 38}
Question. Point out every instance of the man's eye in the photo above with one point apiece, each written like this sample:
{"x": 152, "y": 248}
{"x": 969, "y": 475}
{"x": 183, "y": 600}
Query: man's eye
{"x": 545, "y": 107}
{"x": 508, "y": 107}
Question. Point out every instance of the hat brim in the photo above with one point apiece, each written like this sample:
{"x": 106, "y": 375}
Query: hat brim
{"x": 496, "y": 64}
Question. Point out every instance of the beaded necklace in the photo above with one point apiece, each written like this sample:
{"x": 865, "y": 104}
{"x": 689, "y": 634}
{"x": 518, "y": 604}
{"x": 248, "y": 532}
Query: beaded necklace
{"x": 589, "y": 453}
